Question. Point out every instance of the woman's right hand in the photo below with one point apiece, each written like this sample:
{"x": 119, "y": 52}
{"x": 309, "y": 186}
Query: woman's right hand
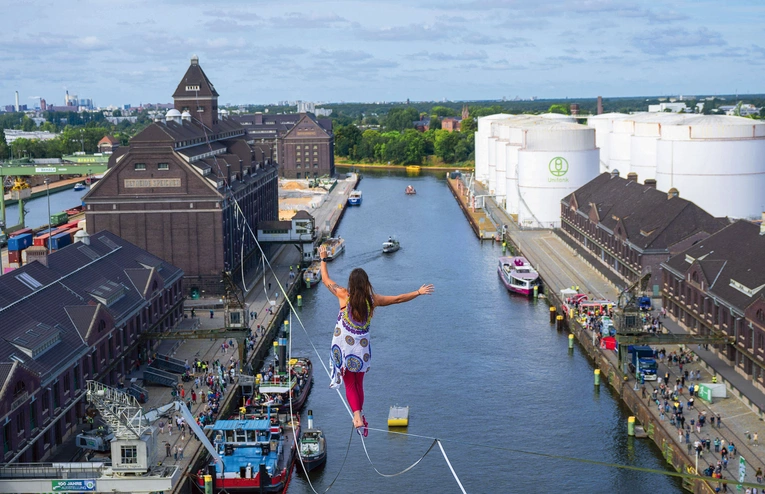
{"x": 323, "y": 252}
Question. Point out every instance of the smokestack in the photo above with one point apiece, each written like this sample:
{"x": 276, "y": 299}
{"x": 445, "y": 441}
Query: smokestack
{"x": 17, "y": 101}
{"x": 228, "y": 174}
{"x": 600, "y": 105}
{"x": 574, "y": 109}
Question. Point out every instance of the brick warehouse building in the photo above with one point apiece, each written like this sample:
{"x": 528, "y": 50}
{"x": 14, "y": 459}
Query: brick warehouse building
{"x": 78, "y": 318}
{"x": 303, "y": 145}
{"x": 718, "y": 286}
{"x": 633, "y": 228}
{"x": 171, "y": 191}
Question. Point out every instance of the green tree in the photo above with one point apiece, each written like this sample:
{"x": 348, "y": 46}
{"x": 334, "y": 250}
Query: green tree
{"x": 435, "y": 123}
{"x": 468, "y": 125}
{"x": 401, "y": 118}
{"x": 3, "y": 146}
{"x": 446, "y": 145}
{"x": 558, "y": 108}
{"x": 346, "y": 138}
{"x": 443, "y": 111}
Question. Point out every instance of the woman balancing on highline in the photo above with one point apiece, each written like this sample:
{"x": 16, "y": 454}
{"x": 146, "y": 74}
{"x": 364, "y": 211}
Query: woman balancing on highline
{"x": 351, "y": 349}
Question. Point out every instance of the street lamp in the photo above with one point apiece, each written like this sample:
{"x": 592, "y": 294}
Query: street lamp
{"x": 47, "y": 193}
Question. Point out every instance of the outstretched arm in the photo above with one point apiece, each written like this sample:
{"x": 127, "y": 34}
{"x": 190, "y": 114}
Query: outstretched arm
{"x": 339, "y": 292}
{"x": 382, "y": 300}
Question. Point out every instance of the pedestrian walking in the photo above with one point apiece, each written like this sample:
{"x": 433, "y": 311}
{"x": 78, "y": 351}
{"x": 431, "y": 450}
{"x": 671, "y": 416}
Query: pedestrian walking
{"x": 175, "y": 453}
{"x": 212, "y": 313}
{"x": 167, "y": 450}
{"x": 180, "y": 452}
{"x": 756, "y": 439}
{"x": 161, "y": 427}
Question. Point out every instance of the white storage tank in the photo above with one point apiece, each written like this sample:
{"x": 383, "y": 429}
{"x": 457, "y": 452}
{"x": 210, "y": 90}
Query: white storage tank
{"x": 717, "y": 162}
{"x": 603, "y": 124}
{"x": 557, "y": 158}
{"x": 647, "y": 131}
{"x": 482, "y": 144}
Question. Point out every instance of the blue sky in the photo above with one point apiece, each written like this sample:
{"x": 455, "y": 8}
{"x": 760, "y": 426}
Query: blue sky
{"x": 255, "y": 51}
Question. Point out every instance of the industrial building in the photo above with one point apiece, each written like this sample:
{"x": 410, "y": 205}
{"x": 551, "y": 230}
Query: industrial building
{"x": 529, "y": 162}
{"x": 692, "y": 154}
{"x": 302, "y": 145}
{"x": 633, "y": 228}
{"x": 70, "y": 316}
{"x": 717, "y": 286}
{"x": 188, "y": 189}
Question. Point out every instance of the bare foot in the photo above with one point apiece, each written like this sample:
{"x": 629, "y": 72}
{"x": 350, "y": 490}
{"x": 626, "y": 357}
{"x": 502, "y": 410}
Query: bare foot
{"x": 357, "y": 420}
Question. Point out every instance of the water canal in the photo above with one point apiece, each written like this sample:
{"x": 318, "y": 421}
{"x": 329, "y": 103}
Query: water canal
{"x": 37, "y": 208}
{"x": 480, "y": 369}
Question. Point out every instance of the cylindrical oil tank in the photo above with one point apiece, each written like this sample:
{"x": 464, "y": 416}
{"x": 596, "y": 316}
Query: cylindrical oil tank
{"x": 501, "y": 171}
{"x": 557, "y": 159}
{"x": 491, "y": 182}
{"x": 647, "y": 131}
{"x": 619, "y": 141}
{"x": 481, "y": 146}
{"x": 603, "y": 124}
{"x": 511, "y": 177}
{"x": 717, "y": 162}
{"x": 558, "y": 117}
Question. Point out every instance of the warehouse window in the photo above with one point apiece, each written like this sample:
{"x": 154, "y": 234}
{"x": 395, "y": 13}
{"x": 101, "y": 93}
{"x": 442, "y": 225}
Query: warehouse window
{"x": 163, "y": 166}
{"x": 140, "y": 166}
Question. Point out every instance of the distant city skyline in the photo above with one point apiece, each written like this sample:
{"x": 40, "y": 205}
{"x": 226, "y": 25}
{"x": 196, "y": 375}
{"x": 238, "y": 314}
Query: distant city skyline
{"x": 386, "y": 50}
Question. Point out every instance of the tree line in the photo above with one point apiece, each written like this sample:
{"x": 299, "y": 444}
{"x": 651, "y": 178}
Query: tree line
{"x": 398, "y": 142}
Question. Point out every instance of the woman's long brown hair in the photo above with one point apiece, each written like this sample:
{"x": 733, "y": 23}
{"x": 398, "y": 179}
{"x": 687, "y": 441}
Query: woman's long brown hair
{"x": 360, "y": 295}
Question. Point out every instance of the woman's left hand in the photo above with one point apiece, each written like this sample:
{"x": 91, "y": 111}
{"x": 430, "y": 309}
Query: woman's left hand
{"x": 426, "y": 289}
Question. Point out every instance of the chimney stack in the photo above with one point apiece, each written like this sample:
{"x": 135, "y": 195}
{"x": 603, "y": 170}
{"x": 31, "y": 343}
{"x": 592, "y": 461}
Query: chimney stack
{"x": 600, "y": 105}
{"x": 18, "y": 108}
{"x": 36, "y": 253}
{"x": 228, "y": 174}
{"x": 614, "y": 173}
{"x": 650, "y": 182}
{"x": 241, "y": 170}
{"x": 574, "y": 109}
{"x": 673, "y": 192}
{"x": 632, "y": 176}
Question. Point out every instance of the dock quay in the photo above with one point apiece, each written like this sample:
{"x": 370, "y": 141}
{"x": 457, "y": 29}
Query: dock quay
{"x": 562, "y": 264}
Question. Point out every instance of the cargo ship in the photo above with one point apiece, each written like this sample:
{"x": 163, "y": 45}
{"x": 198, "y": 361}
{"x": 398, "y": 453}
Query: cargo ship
{"x": 312, "y": 274}
{"x": 335, "y": 246}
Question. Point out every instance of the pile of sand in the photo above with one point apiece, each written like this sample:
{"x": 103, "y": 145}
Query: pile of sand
{"x": 293, "y": 186}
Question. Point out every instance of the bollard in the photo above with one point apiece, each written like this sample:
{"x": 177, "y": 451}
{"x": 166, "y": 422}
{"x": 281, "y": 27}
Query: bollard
{"x": 286, "y": 327}
{"x": 559, "y": 320}
{"x": 631, "y": 426}
{"x": 208, "y": 484}
{"x": 597, "y": 377}
{"x": 570, "y": 341}
{"x": 552, "y": 314}
{"x": 300, "y": 300}
{"x": 504, "y": 246}
{"x": 536, "y": 291}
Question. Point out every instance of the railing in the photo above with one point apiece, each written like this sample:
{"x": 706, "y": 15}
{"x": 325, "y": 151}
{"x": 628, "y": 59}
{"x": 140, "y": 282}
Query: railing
{"x": 52, "y": 470}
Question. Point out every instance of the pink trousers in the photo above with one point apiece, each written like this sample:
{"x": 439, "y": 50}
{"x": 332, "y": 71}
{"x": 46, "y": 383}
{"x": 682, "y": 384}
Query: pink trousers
{"x": 354, "y": 389}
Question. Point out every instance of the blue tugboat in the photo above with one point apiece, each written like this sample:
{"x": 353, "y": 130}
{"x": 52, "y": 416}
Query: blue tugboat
{"x": 255, "y": 453}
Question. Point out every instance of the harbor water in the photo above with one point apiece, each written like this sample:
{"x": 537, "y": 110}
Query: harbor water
{"x": 37, "y": 208}
{"x": 481, "y": 369}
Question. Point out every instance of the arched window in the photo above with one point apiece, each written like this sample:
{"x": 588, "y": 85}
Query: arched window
{"x": 695, "y": 277}
{"x": 19, "y": 389}
{"x": 101, "y": 325}
{"x": 761, "y": 316}
{"x": 154, "y": 286}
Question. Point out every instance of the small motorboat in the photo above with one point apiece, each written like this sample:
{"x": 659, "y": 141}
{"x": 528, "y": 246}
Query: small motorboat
{"x": 355, "y": 198}
{"x": 312, "y": 274}
{"x": 312, "y": 446}
{"x": 391, "y": 245}
{"x": 410, "y": 190}
{"x": 79, "y": 186}
{"x": 413, "y": 169}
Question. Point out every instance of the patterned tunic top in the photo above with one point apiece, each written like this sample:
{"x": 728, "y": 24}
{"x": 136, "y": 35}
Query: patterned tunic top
{"x": 351, "y": 348}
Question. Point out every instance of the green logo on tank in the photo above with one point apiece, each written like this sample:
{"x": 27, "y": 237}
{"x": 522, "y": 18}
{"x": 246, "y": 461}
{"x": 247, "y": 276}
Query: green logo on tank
{"x": 558, "y": 166}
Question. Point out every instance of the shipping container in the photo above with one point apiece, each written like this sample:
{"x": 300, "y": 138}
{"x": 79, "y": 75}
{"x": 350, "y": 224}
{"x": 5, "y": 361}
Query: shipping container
{"x": 20, "y": 242}
{"x": 72, "y": 232}
{"x": 14, "y": 256}
{"x": 57, "y": 219}
{"x": 42, "y": 240}
{"x": 70, "y": 225}
{"x": 21, "y": 232}
{"x": 60, "y": 241}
